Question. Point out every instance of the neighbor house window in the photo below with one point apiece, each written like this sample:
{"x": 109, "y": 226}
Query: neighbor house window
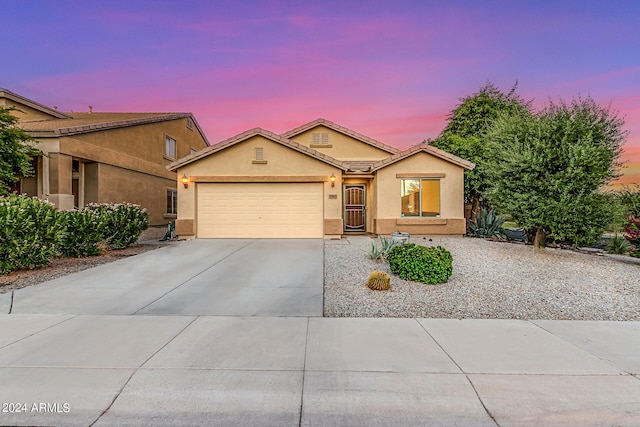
{"x": 192, "y": 151}
{"x": 189, "y": 124}
{"x": 420, "y": 197}
{"x": 170, "y": 147}
{"x": 172, "y": 202}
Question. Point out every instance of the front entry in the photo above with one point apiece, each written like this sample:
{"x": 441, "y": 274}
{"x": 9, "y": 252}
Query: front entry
{"x": 354, "y": 207}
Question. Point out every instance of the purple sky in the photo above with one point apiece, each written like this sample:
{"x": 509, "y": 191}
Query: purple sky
{"x": 389, "y": 69}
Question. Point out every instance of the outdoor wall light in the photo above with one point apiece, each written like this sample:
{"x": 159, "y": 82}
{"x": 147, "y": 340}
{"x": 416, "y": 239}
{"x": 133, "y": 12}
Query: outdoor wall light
{"x": 185, "y": 181}
{"x": 332, "y": 178}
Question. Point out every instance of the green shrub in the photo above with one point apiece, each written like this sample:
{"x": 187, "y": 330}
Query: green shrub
{"x": 618, "y": 245}
{"x": 120, "y": 224}
{"x": 428, "y": 265}
{"x": 30, "y": 232}
{"x": 486, "y": 223}
{"x": 83, "y": 235}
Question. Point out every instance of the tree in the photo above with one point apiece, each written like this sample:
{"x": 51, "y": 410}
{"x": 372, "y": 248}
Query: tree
{"x": 547, "y": 169}
{"x": 15, "y": 152}
{"x": 467, "y": 127}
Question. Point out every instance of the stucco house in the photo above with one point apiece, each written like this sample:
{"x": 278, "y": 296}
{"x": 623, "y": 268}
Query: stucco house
{"x": 317, "y": 180}
{"x": 92, "y": 157}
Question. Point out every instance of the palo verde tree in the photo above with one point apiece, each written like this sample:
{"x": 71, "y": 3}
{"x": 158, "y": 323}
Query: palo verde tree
{"x": 466, "y": 130}
{"x": 15, "y": 152}
{"x": 547, "y": 169}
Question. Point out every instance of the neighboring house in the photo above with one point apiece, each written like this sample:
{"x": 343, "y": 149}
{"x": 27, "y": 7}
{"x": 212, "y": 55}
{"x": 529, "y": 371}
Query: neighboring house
{"x": 318, "y": 180}
{"x": 106, "y": 157}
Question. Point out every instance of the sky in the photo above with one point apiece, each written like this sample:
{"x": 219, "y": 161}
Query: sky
{"x": 392, "y": 70}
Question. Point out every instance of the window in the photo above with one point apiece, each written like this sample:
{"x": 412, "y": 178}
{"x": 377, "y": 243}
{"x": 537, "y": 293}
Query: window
{"x": 321, "y": 138}
{"x": 170, "y": 147}
{"x": 189, "y": 124}
{"x": 420, "y": 197}
{"x": 172, "y": 202}
{"x": 193, "y": 151}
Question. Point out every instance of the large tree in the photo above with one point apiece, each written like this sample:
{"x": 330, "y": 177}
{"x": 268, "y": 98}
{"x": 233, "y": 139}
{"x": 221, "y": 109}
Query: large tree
{"x": 547, "y": 169}
{"x": 16, "y": 151}
{"x": 467, "y": 127}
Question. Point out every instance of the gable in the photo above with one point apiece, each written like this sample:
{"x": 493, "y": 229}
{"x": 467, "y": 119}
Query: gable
{"x": 239, "y": 159}
{"x": 338, "y": 145}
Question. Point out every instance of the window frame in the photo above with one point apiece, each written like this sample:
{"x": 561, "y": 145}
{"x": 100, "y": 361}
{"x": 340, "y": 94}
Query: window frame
{"x": 167, "y": 147}
{"x": 173, "y": 193}
{"x": 420, "y": 210}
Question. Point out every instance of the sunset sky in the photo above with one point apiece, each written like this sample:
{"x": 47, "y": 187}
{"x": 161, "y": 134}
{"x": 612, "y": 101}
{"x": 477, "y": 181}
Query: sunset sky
{"x": 391, "y": 70}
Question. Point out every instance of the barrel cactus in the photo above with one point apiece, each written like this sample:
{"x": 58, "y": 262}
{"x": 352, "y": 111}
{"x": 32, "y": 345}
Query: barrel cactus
{"x": 379, "y": 281}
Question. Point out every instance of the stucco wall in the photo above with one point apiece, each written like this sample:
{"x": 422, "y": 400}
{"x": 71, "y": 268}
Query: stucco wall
{"x": 238, "y": 161}
{"x": 343, "y": 147}
{"x": 389, "y": 204}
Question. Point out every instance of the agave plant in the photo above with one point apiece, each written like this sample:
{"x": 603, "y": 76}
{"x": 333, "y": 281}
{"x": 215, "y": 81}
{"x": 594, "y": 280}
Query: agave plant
{"x": 486, "y": 223}
{"x": 618, "y": 245}
{"x": 380, "y": 252}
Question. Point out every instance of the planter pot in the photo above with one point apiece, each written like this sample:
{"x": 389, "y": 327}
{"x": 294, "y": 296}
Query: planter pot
{"x": 400, "y": 237}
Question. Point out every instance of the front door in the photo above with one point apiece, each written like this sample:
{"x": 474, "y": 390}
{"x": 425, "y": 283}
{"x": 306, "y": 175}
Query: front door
{"x": 354, "y": 207}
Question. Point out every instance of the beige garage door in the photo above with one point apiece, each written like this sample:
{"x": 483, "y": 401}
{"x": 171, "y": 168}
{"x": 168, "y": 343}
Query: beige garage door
{"x": 269, "y": 210}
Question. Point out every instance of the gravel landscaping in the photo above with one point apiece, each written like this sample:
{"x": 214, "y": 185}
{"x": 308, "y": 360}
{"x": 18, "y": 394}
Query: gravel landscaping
{"x": 491, "y": 280}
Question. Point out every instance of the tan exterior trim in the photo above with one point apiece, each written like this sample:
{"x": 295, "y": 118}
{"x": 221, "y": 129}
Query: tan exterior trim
{"x": 358, "y": 175}
{"x": 421, "y": 175}
{"x": 421, "y": 221}
{"x": 426, "y": 226}
{"x": 185, "y": 227}
{"x": 259, "y": 162}
{"x": 321, "y": 145}
{"x": 259, "y": 178}
{"x": 333, "y": 226}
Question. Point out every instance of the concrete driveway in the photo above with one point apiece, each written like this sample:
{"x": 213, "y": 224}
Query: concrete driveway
{"x": 239, "y": 277}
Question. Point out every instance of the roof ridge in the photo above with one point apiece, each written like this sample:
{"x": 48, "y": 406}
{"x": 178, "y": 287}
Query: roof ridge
{"x": 342, "y": 129}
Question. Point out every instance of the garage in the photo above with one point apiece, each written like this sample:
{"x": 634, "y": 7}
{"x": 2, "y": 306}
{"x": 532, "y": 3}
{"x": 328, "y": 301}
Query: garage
{"x": 259, "y": 210}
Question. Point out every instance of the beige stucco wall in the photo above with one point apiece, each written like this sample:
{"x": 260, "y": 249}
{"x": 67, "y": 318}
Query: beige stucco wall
{"x": 23, "y": 112}
{"x": 388, "y": 210}
{"x": 121, "y": 165}
{"x": 237, "y": 161}
{"x": 343, "y": 147}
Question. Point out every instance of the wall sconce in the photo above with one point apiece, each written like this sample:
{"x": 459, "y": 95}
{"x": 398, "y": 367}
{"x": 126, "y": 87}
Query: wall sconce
{"x": 332, "y": 178}
{"x": 185, "y": 181}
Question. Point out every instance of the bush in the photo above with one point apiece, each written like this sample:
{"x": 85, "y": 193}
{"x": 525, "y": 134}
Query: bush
{"x": 486, "y": 223}
{"x": 428, "y": 265}
{"x": 632, "y": 234}
{"x": 618, "y": 245}
{"x": 30, "y": 232}
{"x": 83, "y": 234}
{"x": 120, "y": 224}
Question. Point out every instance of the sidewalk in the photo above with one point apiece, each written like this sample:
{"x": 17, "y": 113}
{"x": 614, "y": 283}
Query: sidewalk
{"x": 289, "y": 371}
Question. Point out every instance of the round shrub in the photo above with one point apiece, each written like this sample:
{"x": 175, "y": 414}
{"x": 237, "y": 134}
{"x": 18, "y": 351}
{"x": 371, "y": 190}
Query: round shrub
{"x": 30, "y": 232}
{"x": 120, "y": 224}
{"x": 426, "y": 264}
{"x": 379, "y": 281}
{"x": 83, "y": 235}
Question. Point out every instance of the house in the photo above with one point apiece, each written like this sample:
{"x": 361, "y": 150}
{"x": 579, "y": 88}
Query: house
{"x": 317, "y": 180}
{"x": 95, "y": 157}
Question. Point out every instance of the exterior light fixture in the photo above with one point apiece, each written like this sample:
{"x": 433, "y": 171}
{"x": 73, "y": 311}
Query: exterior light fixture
{"x": 185, "y": 181}
{"x": 332, "y": 178}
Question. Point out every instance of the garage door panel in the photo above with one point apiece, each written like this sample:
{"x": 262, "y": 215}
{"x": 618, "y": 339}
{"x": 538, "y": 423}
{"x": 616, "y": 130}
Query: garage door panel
{"x": 269, "y": 210}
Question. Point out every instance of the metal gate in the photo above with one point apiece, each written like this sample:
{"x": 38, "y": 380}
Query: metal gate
{"x": 354, "y": 207}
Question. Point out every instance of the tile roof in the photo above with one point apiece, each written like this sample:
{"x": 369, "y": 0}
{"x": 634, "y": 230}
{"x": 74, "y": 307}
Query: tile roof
{"x": 359, "y": 166}
{"x": 360, "y": 137}
{"x": 427, "y": 148}
{"x": 77, "y": 123}
{"x": 250, "y": 133}
{"x": 5, "y": 93}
